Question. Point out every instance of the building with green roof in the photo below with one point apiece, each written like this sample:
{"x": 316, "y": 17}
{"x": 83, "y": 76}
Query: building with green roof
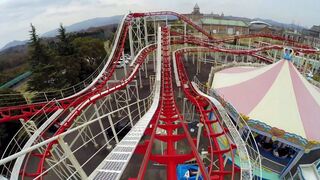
{"x": 224, "y": 26}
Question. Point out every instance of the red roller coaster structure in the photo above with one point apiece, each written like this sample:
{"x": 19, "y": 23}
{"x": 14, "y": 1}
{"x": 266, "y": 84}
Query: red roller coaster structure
{"x": 167, "y": 116}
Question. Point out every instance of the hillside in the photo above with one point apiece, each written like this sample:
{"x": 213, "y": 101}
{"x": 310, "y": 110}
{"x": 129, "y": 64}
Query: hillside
{"x": 80, "y": 26}
{"x": 95, "y": 22}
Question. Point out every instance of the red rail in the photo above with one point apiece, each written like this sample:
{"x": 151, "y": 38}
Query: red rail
{"x": 26, "y": 111}
{"x": 88, "y": 100}
{"x": 170, "y": 118}
{"x": 99, "y": 91}
{"x": 204, "y": 107}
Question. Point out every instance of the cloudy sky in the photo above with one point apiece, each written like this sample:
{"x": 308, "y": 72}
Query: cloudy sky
{"x": 16, "y": 15}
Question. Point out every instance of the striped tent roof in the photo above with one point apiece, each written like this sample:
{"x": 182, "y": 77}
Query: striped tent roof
{"x": 277, "y": 95}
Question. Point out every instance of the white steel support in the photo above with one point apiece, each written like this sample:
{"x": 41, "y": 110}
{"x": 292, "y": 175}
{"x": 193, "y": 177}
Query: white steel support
{"x": 275, "y": 56}
{"x": 131, "y": 42}
{"x": 115, "y": 75}
{"x": 192, "y": 108}
{"x": 200, "y": 125}
{"x": 29, "y": 126}
{"x": 80, "y": 132}
{"x": 72, "y": 158}
{"x": 188, "y": 110}
{"x": 128, "y": 92}
{"x": 154, "y": 61}
{"x": 90, "y": 135}
{"x": 59, "y": 170}
{"x": 124, "y": 65}
{"x": 129, "y": 111}
{"x": 146, "y": 66}
{"x": 138, "y": 104}
{"x": 185, "y": 34}
{"x": 56, "y": 156}
{"x": 145, "y": 31}
{"x": 131, "y": 90}
{"x": 113, "y": 129}
{"x": 120, "y": 98}
{"x": 198, "y": 63}
{"x": 102, "y": 128}
{"x": 140, "y": 79}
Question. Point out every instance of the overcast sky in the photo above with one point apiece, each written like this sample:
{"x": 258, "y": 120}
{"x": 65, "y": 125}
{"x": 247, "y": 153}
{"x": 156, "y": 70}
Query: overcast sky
{"x": 16, "y": 15}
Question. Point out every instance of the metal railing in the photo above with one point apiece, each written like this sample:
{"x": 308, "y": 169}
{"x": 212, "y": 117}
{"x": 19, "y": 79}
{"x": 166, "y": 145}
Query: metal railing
{"x": 25, "y": 132}
{"x": 233, "y": 134}
{"x": 80, "y": 137}
{"x": 251, "y": 145}
{"x": 34, "y": 97}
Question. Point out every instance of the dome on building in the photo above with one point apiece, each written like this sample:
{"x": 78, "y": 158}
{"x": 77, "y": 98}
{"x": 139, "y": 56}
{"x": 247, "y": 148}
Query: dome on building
{"x": 258, "y": 25}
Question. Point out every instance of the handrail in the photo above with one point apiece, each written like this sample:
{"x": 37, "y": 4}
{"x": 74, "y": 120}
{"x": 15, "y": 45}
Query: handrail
{"x": 138, "y": 130}
{"x": 75, "y": 91}
{"x": 86, "y": 84}
{"x": 245, "y": 163}
{"x": 54, "y": 138}
{"x": 252, "y": 150}
{"x": 22, "y": 135}
{"x": 191, "y": 94}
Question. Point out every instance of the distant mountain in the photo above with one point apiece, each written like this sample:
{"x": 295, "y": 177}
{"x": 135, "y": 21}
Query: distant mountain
{"x": 104, "y": 21}
{"x": 83, "y": 25}
{"x": 13, "y": 44}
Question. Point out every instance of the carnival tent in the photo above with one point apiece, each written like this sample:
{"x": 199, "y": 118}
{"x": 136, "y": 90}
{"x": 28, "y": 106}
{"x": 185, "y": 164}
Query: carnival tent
{"x": 277, "y": 95}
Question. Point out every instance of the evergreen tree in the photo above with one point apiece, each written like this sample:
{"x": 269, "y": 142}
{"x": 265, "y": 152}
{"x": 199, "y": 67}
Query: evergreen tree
{"x": 90, "y": 53}
{"x": 40, "y": 62}
{"x": 38, "y": 55}
{"x": 68, "y": 65}
{"x": 64, "y": 46}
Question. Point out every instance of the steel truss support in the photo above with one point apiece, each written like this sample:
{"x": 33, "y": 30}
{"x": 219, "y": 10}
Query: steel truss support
{"x": 72, "y": 158}
{"x": 188, "y": 111}
{"x": 86, "y": 132}
{"x": 168, "y": 119}
{"x": 137, "y": 35}
{"x": 213, "y": 129}
{"x": 29, "y": 126}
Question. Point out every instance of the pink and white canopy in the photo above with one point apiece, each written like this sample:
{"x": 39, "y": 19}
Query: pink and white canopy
{"x": 277, "y": 95}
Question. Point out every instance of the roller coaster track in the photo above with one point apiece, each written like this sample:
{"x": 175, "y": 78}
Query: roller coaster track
{"x": 140, "y": 58}
{"x": 25, "y": 111}
{"x": 167, "y": 115}
{"x": 108, "y": 66}
{"x": 169, "y": 119}
{"x": 204, "y": 107}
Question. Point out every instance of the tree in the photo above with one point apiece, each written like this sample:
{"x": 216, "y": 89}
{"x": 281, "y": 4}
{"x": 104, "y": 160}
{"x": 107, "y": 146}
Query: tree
{"x": 38, "y": 54}
{"x": 68, "y": 67}
{"x": 65, "y": 62}
{"x": 40, "y": 62}
{"x": 65, "y": 48}
{"x": 90, "y": 53}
